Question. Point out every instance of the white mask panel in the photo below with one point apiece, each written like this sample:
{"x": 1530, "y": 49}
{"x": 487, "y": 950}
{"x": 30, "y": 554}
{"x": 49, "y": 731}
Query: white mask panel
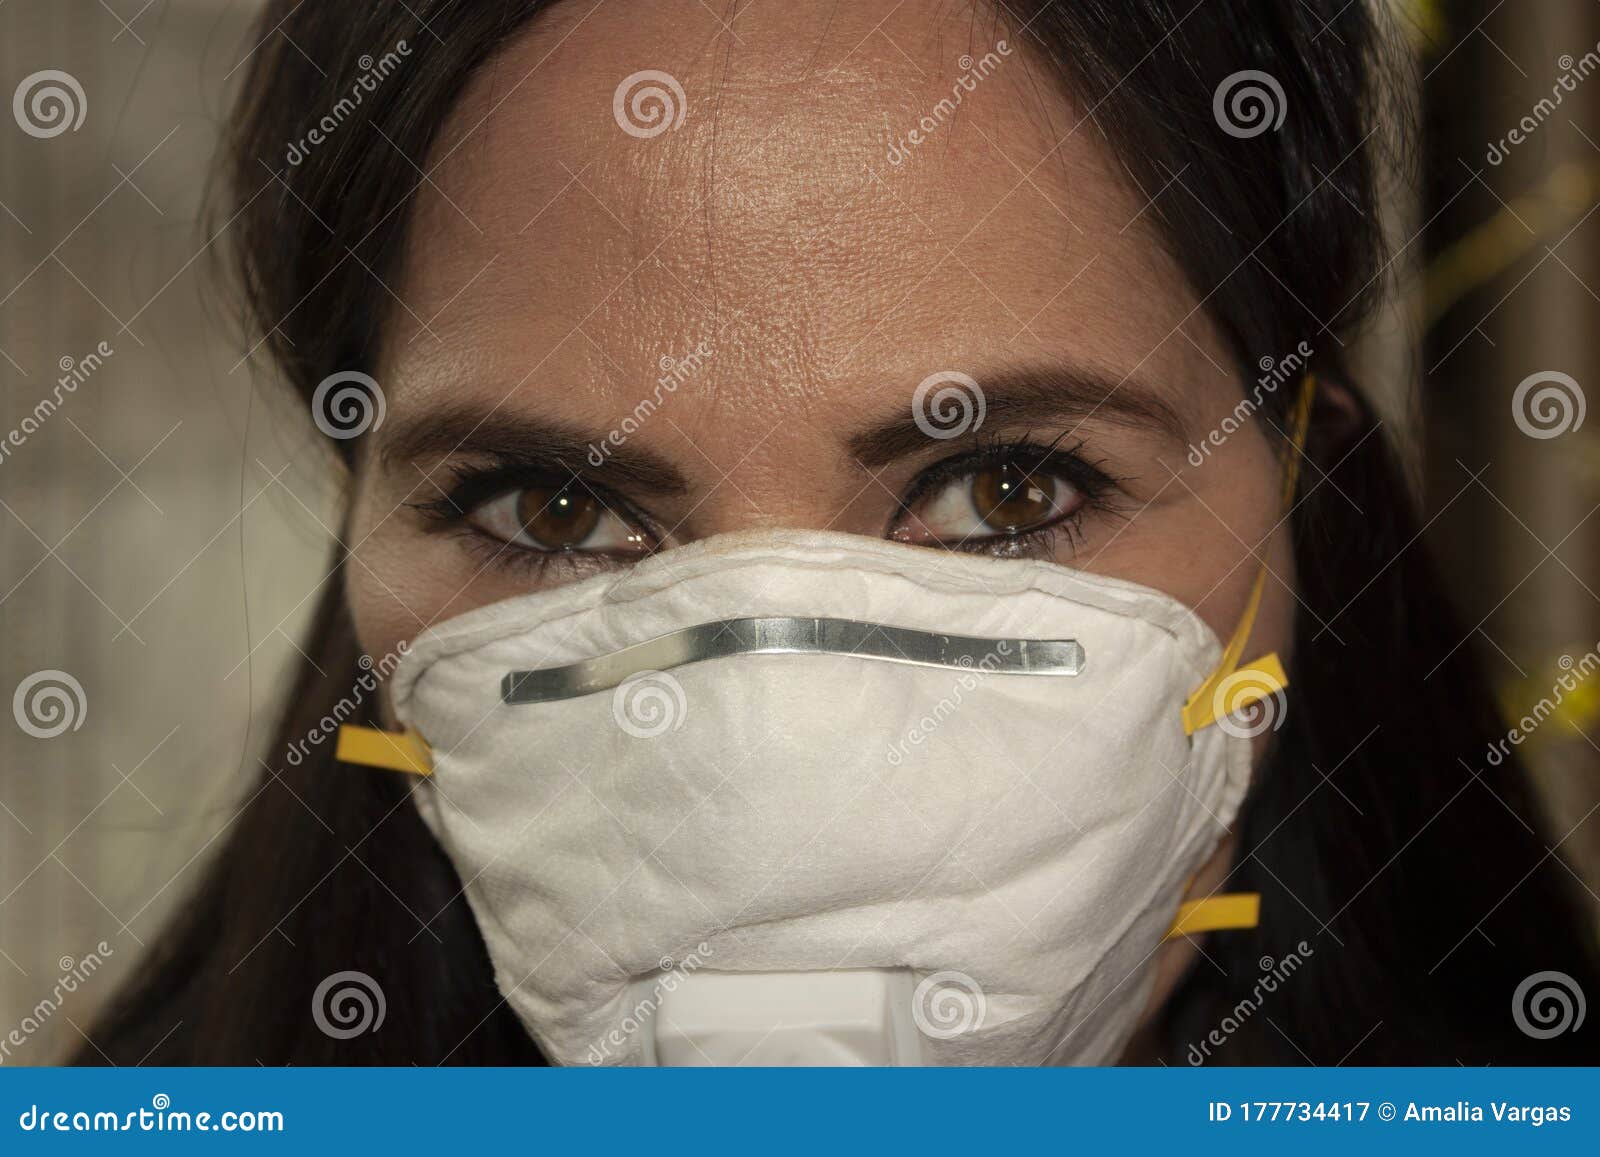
{"x": 1011, "y": 848}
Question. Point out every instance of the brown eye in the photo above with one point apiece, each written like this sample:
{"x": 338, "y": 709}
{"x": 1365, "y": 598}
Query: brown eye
{"x": 1009, "y": 499}
{"x": 558, "y": 519}
{"x": 552, "y": 519}
{"x": 1005, "y": 500}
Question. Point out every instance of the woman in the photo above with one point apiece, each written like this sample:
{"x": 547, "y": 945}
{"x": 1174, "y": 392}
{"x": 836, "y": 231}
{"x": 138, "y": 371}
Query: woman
{"x": 1011, "y": 321}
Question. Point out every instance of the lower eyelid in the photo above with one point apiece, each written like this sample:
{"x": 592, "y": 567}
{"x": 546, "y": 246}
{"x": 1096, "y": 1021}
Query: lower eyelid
{"x": 555, "y": 565}
{"x": 1039, "y": 543}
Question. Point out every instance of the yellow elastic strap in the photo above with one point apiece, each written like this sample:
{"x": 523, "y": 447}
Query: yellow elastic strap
{"x": 1221, "y": 696}
{"x": 391, "y": 750}
{"x": 1230, "y": 910}
{"x": 1231, "y": 687}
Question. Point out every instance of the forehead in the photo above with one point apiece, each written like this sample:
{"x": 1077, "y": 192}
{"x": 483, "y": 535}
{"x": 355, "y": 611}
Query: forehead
{"x": 857, "y": 196}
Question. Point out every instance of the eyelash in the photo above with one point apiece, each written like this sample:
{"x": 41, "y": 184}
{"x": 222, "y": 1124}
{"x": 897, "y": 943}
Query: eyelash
{"x": 1091, "y": 479}
{"x": 472, "y": 486}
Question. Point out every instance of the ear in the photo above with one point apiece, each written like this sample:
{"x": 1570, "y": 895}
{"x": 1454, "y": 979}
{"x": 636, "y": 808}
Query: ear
{"x": 1339, "y": 414}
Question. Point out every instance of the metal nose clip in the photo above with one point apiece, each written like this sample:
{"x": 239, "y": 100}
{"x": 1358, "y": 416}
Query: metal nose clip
{"x": 795, "y": 636}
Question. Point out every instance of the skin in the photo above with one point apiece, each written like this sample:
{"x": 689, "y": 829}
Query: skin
{"x": 556, "y": 259}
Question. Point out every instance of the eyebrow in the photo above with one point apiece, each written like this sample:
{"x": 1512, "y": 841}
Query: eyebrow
{"x": 517, "y": 437}
{"x": 1035, "y": 393}
{"x": 1032, "y": 393}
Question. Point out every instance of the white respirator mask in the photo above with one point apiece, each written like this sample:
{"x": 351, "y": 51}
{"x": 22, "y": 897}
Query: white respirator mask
{"x": 815, "y": 798}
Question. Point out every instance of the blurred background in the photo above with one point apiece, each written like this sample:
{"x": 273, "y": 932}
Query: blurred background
{"x": 164, "y": 517}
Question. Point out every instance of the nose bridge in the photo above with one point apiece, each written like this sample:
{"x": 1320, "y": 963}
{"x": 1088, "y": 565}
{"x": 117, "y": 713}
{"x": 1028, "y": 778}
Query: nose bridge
{"x": 811, "y": 491}
{"x": 776, "y": 464}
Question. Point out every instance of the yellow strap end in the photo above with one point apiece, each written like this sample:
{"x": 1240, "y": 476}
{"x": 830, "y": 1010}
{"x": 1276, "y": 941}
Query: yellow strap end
{"x": 391, "y": 750}
{"x": 1222, "y": 695}
{"x": 1231, "y": 687}
{"x": 1230, "y": 910}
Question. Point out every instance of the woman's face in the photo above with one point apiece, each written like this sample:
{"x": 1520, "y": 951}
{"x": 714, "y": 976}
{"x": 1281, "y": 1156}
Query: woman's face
{"x": 605, "y": 343}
